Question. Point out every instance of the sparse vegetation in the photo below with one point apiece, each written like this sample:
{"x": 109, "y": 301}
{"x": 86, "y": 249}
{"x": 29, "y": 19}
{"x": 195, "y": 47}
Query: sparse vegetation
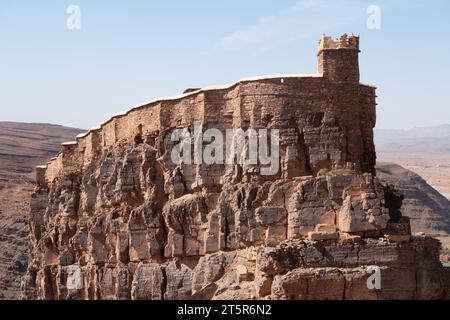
{"x": 445, "y": 251}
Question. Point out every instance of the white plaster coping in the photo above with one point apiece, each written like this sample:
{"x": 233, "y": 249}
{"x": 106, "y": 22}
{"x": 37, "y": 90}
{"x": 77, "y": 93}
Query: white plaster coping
{"x": 368, "y": 85}
{"x": 69, "y": 143}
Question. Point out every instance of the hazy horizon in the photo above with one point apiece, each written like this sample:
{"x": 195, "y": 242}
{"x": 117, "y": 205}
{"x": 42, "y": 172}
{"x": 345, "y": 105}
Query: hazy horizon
{"x": 376, "y": 128}
{"x": 128, "y": 53}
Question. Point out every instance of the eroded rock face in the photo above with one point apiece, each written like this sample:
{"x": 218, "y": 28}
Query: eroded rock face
{"x": 136, "y": 241}
{"x": 123, "y": 231}
{"x": 115, "y": 218}
{"x": 308, "y": 271}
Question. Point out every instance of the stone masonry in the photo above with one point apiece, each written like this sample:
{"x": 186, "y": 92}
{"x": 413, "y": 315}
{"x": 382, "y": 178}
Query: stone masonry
{"x": 113, "y": 218}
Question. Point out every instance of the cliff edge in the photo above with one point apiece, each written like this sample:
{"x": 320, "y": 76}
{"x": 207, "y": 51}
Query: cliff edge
{"x": 114, "y": 216}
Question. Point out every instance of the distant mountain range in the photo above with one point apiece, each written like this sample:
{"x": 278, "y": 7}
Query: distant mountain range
{"x": 429, "y": 140}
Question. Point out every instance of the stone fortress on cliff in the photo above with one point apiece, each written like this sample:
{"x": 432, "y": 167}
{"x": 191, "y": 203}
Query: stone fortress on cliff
{"x": 112, "y": 217}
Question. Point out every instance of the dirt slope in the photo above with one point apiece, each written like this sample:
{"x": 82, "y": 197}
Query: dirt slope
{"x": 428, "y": 209}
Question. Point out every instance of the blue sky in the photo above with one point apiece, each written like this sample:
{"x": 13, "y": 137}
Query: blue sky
{"x": 129, "y": 52}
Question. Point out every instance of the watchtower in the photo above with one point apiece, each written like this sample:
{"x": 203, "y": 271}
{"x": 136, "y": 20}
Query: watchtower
{"x": 338, "y": 59}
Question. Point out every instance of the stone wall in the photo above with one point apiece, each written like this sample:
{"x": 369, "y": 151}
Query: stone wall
{"x": 333, "y": 116}
{"x": 334, "y": 121}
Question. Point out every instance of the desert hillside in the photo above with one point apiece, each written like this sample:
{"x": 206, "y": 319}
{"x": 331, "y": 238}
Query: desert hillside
{"x": 22, "y": 146}
{"x": 428, "y": 209}
{"x": 425, "y": 152}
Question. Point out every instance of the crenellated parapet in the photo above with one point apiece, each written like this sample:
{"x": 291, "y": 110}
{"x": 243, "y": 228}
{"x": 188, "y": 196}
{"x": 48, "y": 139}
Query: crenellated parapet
{"x": 343, "y": 42}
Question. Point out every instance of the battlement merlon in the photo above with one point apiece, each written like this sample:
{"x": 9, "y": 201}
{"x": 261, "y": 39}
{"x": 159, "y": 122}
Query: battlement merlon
{"x": 338, "y": 59}
{"x": 343, "y": 42}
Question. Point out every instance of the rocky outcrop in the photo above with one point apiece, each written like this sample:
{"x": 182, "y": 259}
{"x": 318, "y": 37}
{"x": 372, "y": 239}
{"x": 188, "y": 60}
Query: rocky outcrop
{"x": 408, "y": 270}
{"x": 113, "y": 217}
{"x": 22, "y": 147}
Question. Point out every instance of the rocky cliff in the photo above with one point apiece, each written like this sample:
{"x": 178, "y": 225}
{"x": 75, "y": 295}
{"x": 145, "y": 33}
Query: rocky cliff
{"x": 114, "y": 217}
{"x": 22, "y": 147}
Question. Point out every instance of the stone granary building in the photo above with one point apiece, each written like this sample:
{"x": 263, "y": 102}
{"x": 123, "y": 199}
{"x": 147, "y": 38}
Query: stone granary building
{"x": 112, "y": 217}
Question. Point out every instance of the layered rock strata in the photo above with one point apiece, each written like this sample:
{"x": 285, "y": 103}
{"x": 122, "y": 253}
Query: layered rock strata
{"x": 113, "y": 217}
